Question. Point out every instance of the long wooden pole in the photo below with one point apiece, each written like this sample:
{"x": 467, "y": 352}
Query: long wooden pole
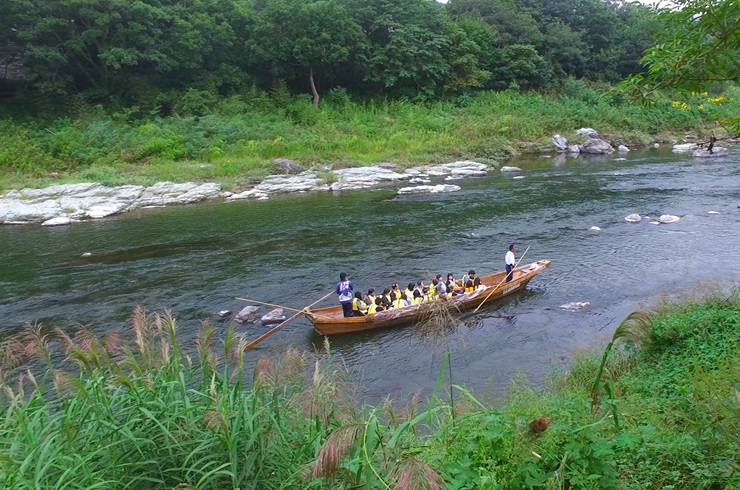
{"x": 272, "y": 331}
{"x": 502, "y": 280}
{"x": 267, "y": 304}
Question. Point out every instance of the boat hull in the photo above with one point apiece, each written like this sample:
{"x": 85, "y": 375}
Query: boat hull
{"x": 330, "y": 321}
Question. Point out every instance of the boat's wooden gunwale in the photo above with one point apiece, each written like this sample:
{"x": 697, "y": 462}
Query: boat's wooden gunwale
{"x": 330, "y": 321}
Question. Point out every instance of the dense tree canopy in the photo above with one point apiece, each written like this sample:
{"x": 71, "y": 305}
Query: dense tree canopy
{"x": 135, "y": 50}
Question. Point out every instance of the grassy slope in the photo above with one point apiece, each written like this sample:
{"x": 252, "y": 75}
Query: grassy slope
{"x": 237, "y": 142}
{"x": 667, "y": 415}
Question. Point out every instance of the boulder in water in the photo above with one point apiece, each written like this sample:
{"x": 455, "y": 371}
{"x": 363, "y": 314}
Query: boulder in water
{"x": 668, "y": 218}
{"x": 248, "y": 314}
{"x": 717, "y": 151}
{"x": 633, "y": 218}
{"x": 275, "y": 316}
{"x": 596, "y": 146}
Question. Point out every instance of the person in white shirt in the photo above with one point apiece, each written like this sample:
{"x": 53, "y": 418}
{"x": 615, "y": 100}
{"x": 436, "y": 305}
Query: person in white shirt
{"x": 510, "y": 261}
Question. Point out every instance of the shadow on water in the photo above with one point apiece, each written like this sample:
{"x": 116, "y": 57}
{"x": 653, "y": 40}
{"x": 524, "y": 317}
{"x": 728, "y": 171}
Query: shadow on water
{"x": 160, "y": 250}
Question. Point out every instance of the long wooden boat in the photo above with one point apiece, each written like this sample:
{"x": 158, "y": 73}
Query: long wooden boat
{"x": 331, "y": 320}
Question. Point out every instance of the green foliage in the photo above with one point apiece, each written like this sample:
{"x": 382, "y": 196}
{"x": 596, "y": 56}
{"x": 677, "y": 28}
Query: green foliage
{"x": 251, "y": 127}
{"x": 153, "y": 412}
{"x": 695, "y": 49}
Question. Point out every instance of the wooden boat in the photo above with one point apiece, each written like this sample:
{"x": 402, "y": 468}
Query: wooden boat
{"x": 331, "y": 320}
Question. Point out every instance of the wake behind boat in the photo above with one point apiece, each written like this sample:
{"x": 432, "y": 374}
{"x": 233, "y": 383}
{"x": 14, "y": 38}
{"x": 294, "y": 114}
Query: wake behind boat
{"x": 331, "y": 320}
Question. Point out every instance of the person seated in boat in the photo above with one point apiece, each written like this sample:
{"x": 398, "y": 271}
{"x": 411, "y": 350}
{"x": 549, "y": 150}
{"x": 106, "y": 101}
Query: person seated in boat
{"x": 432, "y": 291}
{"x": 417, "y": 298}
{"x": 386, "y": 298}
{"x": 440, "y": 288}
{"x": 470, "y": 275}
{"x": 471, "y": 282}
{"x": 395, "y": 292}
{"x": 370, "y": 298}
{"x": 371, "y": 308}
{"x": 452, "y": 286}
{"x": 379, "y": 306}
{"x": 359, "y": 307}
{"x": 401, "y": 301}
{"x": 410, "y": 290}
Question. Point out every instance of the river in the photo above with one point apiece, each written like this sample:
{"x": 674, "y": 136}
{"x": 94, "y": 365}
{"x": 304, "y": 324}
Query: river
{"x": 195, "y": 259}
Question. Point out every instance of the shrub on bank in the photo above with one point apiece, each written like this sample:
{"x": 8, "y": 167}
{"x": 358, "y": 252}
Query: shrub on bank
{"x": 152, "y": 414}
{"x": 255, "y": 130}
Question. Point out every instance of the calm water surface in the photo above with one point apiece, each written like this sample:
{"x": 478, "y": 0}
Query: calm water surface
{"x": 195, "y": 259}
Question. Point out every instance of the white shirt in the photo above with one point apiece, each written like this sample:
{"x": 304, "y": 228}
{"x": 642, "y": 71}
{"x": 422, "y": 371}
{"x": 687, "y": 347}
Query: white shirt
{"x": 510, "y": 260}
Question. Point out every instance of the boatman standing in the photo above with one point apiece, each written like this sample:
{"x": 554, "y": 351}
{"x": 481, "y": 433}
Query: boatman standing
{"x": 510, "y": 263}
{"x": 344, "y": 290}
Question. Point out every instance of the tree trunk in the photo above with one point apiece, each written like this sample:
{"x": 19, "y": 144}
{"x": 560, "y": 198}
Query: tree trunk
{"x": 313, "y": 87}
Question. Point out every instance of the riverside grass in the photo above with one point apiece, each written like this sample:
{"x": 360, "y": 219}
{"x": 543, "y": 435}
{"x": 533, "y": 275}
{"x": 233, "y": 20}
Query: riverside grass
{"x": 235, "y": 142}
{"x": 153, "y": 413}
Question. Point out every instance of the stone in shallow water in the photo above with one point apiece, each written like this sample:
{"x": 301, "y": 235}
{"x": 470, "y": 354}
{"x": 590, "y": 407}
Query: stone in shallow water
{"x": 717, "y": 151}
{"x": 712, "y": 212}
{"x": 668, "y": 218}
{"x": 58, "y": 221}
{"x": 633, "y": 218}
{"x": 248, "y": 314}
{"x": 575, "y": 305}
{"x": 595, "y": 228}
{"x": 275, "y": 316}
{"x": 510, "y": 169}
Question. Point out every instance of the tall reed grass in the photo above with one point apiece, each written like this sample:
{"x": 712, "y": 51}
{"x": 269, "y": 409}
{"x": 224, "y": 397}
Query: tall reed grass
{"x": 659, "y": 408}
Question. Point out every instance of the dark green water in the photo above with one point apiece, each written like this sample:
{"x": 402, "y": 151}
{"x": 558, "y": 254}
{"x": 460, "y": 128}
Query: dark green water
{"x": 194, "y": 260}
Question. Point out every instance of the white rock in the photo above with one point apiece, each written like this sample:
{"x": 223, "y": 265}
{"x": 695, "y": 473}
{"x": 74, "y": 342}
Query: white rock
{"x": 712, "y": 212}
{"x": 275, "y": 316}
{"x": 248, "y": 314}
{"x": 60, "y": 220}
{"x": 560, "y": 142}
{"x": 429, "y": 189}
{"x": 668, "y": 218}
{"x": 717, "y": 151}
{"x": 656, "y": 145}
{"x": 595, "y": 228}
{"x": 575, "y": 305}
{"x": 518, "y": 177}
{"x": 419, "y": 180}
{"x": 622, "y": 149}
{"x": 590, "y": 132}
{"x": 654, "y": 222}
{"x": 511, "y": 169}
{"x": 596, "y": 146}
{"x": 633, "y": 218}
{"x": 574, "y": 149}
{"x": 86, "y": 254}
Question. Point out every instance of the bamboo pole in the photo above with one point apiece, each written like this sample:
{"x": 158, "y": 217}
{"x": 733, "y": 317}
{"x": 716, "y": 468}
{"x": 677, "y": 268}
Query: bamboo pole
{"x": 502, "y": 280}
{"x": 272, "y": 331}
{"x": 267, "y": 304}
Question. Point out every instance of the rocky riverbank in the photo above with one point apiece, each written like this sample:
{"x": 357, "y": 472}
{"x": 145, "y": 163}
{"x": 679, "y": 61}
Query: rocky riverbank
{"x": 69, "y": 203}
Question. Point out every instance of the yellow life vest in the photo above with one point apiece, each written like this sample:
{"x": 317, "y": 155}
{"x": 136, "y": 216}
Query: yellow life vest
{"x": 359, "y": 305}
{"x": 416, "y": 300}
{"x": 372, "y": 308}
{"x": 399, "y": 303}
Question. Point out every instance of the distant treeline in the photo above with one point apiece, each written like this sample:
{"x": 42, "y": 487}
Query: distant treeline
{"x": 151, "y": 52}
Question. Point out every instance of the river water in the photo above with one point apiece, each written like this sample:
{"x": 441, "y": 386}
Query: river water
{"x": 289, "y": 250}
